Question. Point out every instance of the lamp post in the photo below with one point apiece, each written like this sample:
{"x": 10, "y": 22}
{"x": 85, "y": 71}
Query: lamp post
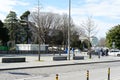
{"x": 113, "y": 45}
{"x": 38, "y": 32}
{"x": 69, "y": 29}
{"x": 27, "y": 30}
{"x": 27, "y": 26}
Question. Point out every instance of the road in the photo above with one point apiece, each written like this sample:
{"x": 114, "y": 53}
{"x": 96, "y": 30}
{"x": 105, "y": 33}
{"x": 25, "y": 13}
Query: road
{"x": 73, "y": 72}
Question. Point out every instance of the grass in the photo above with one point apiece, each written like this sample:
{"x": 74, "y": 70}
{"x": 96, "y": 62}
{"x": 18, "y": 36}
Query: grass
{"x": 40, "y": 60}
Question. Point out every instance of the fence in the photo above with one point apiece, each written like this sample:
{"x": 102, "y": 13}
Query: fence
{"x": 4, "y": 48}
{"x": 30, "y": 52}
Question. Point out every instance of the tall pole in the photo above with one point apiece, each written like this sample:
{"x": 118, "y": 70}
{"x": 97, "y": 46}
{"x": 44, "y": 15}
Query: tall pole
{"x": 27, "y": 27}
{"x": 69, "y": 29}
{"x": 38, "y": 31}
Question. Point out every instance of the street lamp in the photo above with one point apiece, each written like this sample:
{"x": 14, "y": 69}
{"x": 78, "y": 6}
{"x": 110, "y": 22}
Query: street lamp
{"x": 38, "y": 32}
{"x": 69, "y": 29}
{"x": 113, "y": 45}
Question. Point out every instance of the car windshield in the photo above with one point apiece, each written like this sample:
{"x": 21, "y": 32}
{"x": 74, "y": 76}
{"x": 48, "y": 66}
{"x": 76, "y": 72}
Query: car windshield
{"x": 114, "y": 51}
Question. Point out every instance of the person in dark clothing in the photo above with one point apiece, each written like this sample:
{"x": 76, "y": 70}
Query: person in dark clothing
{"x": 107, "y": 52}
{"x": 102, "y": 52}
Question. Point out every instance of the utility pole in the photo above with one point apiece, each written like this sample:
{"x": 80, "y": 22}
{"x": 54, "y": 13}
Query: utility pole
{"x": 69, "y": 30}
{"x": 38, "y": 31}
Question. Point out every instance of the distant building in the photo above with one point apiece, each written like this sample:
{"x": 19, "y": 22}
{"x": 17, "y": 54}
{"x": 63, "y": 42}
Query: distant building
{"x": 94, "y": 41}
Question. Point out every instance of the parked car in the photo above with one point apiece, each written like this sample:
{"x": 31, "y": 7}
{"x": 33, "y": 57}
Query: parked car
{"x": 114, "y": 52}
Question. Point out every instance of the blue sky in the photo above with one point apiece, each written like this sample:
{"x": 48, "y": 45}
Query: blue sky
{"x": 105, "y": 13}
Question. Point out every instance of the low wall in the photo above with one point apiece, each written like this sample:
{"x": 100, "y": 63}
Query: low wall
{"x": 78, "y": 58}
{"x": 59, "y": 58}
{"x": 13, "y": 60}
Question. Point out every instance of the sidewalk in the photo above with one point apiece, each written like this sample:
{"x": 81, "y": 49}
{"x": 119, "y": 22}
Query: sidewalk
{"x": 47, "y": 61}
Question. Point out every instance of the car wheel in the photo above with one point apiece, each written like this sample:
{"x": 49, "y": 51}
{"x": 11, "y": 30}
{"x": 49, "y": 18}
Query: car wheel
{"x": 118, "y": 54}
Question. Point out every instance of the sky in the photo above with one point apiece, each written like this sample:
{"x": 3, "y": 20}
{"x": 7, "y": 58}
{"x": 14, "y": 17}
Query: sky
{"x": 105, "y": 13}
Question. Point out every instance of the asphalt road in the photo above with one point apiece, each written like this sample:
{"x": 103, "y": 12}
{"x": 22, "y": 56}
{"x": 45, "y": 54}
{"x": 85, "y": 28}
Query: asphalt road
{"x": 73, "y": 72}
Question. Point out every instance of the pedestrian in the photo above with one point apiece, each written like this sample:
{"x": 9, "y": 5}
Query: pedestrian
{"x": 98, "y": 53}
{"x": 107, "y": 52}
{"x": 102, "y": 52}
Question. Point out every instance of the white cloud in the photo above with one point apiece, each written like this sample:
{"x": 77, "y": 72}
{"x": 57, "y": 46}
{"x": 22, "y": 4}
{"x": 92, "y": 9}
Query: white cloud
{"x": 22, "y": 3}
{"x": 109, "y": 9}
{"x": 7, "y": 5}
{"x": 92, "y": 1}
{"x": 99, "y": 8}
{"x": 106, "y": 8}
{"x": 55, "y": 10}
{"x": 103, "y": 28}
{"x": 2, "y": 17}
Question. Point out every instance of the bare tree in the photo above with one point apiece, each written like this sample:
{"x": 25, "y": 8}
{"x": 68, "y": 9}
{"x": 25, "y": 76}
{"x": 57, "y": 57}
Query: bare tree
{"x": 64, "y": 28}
{"x": 35, "y": 32}
{"x": 49, "y": 23}
{"x": 90, "y": 29}
{"x": 64, "y": 24}
{"x": 80, "y": 31}
{"x": 46, "y": 22}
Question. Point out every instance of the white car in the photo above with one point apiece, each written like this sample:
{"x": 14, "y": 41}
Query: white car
{"x": 114, "y": 52}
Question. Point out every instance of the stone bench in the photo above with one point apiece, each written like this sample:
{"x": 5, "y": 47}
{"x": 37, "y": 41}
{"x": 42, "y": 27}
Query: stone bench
{"x": 13, "y": 60}
{"x": 59, "y": 58}
{"x": 78, "y": 58}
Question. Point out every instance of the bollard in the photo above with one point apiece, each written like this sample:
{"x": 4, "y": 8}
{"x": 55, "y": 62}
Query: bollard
{"x": 108, "y": 73}
{"x": 56, "y": 76}
{"x": 99, "y": 55}
{"x": 87, "y": 74}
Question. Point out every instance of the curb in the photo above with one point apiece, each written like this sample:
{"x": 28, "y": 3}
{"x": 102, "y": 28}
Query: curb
{"x": 85, "y": 63}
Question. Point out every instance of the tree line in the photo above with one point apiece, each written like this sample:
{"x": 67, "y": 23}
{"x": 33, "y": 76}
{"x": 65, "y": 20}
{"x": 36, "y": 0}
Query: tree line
{"x": 51, "y": 28}
{"x": 31, "y": 28}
